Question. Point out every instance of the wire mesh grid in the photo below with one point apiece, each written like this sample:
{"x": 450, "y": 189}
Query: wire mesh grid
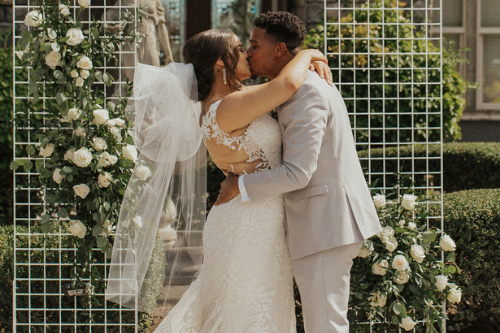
{"x": 43, "y": 263}
{"x": 387, "y": 66}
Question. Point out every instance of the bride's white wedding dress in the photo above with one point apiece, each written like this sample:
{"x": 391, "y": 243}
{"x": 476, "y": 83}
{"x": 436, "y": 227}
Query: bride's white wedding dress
{"x": 245, "y": 284}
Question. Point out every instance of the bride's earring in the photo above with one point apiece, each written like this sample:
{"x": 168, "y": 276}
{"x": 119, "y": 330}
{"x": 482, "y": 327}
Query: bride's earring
{"x": 224, "y": 75}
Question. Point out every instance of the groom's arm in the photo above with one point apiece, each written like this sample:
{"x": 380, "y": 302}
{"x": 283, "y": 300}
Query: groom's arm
{"x": 305, "y": 119}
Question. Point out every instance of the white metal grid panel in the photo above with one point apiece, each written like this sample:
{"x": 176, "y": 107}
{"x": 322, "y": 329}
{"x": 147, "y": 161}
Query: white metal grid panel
{"x": 392, "y": 85}
{"x": 43, "y": 264}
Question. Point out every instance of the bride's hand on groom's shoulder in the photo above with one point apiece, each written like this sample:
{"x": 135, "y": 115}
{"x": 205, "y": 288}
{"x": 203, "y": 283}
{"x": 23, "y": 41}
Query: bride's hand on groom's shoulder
{"x": 228, "y": 188}
{"x": 323, "y": 71}
{"x": 319, "y": 63}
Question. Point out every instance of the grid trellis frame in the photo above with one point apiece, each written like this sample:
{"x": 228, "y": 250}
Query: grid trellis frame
{"x": 42, "y": 263}
{"x": 427, "y": 164}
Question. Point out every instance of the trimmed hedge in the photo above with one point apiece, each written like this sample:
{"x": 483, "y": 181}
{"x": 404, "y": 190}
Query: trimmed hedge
{"x": 472, "y": 219}
{"x": 466, "y": 166}
{"x": 53, "y": 287}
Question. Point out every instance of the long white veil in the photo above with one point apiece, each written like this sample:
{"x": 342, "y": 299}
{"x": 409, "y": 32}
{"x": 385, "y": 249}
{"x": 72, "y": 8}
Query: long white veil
{"x": 168, "y": 184}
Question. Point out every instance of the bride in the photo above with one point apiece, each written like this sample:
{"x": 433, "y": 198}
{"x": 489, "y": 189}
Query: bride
{"x": 245, "y": 283}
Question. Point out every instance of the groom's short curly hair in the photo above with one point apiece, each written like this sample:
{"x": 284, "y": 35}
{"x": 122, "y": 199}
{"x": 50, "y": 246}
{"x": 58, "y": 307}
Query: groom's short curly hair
{"x": 283, "y": 27}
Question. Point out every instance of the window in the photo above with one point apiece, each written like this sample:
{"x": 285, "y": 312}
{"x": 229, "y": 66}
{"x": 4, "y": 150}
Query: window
{"x": 454, "y": 18}
{"x": 488, "y": 54}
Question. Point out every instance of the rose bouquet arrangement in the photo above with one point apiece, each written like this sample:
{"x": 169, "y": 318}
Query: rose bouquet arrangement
{"x": 85, "y": 154}
{"x": 402, "y": 276}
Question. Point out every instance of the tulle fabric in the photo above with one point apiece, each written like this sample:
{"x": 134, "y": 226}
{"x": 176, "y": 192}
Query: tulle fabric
{"x": 169, "y": 178}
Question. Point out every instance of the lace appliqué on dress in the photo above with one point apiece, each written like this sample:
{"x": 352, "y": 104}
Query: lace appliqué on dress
{"x": 211, "y": 129}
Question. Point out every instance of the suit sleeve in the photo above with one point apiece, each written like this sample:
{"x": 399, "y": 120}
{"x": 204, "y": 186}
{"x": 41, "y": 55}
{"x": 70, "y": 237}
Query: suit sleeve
{"x": 304, "y": 119}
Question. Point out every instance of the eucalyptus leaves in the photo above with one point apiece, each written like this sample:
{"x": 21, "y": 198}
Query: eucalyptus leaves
{"x": 82, "y": 172}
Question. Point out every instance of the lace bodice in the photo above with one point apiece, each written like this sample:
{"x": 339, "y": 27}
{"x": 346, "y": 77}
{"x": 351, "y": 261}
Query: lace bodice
{"x": 261, "y": 140}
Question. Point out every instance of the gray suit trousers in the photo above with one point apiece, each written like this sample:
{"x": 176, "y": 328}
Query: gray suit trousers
{"x": 323, "y": 279}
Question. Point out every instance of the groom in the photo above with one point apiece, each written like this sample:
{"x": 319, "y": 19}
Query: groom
{"x": 329, "y": 209}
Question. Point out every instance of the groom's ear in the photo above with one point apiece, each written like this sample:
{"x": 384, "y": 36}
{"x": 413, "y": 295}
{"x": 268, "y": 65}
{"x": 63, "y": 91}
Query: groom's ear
{"x": 280, "y": 49}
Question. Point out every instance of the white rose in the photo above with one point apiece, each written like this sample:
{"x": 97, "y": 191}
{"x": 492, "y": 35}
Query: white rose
{"x": 84, "y": 63}
{"x": 412, "y": 226}
{"x": 379, "y": 200}
{"x": 75, "y": 37}
{"x": 107, "y": 225}
{"x": 112, "y": 159}
{"x": 82, "y": 157}
{"x": 84, "y": 74}
{"x": 57, "y": 176}
{"x": 99, "y": 144}
{"x": 417, "y": 252}
{"x": 441, "y": 282}
{"x": 454, "y": 295}
{"x": 84, "y": 3}
{"x": 33, "y": 18}
{"x": 380, "y": 267}
{"x": 409, "y": 201}
{"x": 80, "y": 132}
{"x": 64, "y": 9}
{"x": 53, "y": 59}
{"x": 119, "y": 122}
{"x": 78, "y": 229}
{"x": 79, "y": 82}
{"x": 401, "y": 277}
{"x": 401, "y": 223}
{"x": 138, "y": 221}
{"x": 400, "y": 263}
{"x": 116, "y": 133}
{"x": 101, "y": 116}
{"x": 378, "y": 299}
{"x": 447, "y": 244}
{"x": 407, "y": 323}
{"x": 391, "y": 244}
{"x": 364, "y": 252}
{"x": 74, "y": 74}
{"x": 168, "y": 234}
{"x": 104, "y": 180}
{"x": 81, "y": 190}
{"x": 52, "y": 34}
{"x": 55, "y": 47}
{"x": 47, "y": 151}
{"x": 103, "y": 159}
{"x": 142, "y": 172}
{"x": 69, "y": 155}
{"x": 74, "y": 113}
{"x": 386, "y": 234}
{"x": 130, "y": 152}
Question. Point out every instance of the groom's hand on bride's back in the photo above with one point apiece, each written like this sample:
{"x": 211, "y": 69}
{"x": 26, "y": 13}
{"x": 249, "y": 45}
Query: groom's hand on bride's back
{"x": 228, "y": 188}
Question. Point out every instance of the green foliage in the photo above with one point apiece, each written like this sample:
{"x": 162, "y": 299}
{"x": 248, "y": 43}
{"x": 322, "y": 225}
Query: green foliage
{"x": 53, "y": 283}
{"x": 6, "y": 202}
{"x": 396, "y": 52}
{"x": 472, "y": 218}
{"x": 394, "y": 277}
{"x": 75, "y": 114}
{"x": 466, "y": 166}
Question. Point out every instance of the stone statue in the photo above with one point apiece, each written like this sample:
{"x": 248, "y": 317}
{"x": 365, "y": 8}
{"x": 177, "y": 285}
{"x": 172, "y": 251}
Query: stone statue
{"x": 152, "y": 24}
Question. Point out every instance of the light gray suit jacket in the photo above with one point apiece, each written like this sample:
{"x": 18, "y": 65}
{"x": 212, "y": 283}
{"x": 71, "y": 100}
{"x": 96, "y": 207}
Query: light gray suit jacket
{"x": 327, "y": 201}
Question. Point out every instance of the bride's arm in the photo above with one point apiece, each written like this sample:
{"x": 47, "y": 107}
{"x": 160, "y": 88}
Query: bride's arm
{"x": 240, "y": 108}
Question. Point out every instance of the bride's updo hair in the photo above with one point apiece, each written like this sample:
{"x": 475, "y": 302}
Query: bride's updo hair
{"x": 204, "y": 49}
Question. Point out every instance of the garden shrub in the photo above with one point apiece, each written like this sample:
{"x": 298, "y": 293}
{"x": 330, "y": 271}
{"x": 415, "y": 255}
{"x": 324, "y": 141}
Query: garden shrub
{"x": 401, "y": 50}
{"x": 54, "y": 287}
{"x": 472, "y": 219}
{"x": 466, "y": 166}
